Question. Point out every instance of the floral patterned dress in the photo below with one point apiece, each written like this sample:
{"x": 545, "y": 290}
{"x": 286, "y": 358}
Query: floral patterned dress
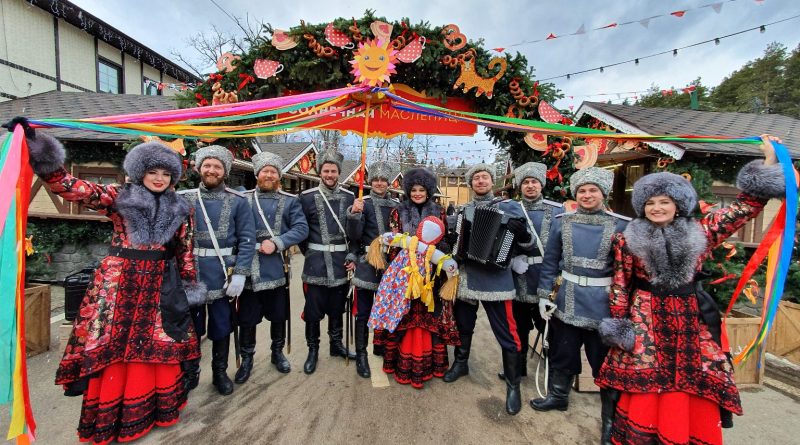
{"x": 417, "y": 350}
{"x": 676, "y": 366}
{"x": 118, "y": 342}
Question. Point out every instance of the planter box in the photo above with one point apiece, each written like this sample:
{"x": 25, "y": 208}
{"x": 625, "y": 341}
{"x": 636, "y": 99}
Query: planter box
{"x": 741, "y": 329}
{"x": 37, "y": 319}
{"x": 784, "y": 339}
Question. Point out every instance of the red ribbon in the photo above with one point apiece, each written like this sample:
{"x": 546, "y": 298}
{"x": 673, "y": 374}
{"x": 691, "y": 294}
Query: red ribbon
{"x": 201, "y": 100}
{"x": 246, "y": 78}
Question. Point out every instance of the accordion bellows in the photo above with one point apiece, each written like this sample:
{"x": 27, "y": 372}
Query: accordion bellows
{"x": 484, "y": 237}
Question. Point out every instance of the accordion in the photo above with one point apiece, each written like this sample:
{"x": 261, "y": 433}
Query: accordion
{"x": 483, "y": 236}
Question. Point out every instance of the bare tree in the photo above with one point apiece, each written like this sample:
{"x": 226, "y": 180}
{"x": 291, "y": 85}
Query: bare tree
{"x": 211, "y": 44}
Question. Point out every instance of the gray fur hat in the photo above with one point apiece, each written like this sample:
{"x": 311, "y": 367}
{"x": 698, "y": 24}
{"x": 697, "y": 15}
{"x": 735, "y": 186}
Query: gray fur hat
{"x": 600, "y": 177}
{"x": 535, "y": 170}
{"x": 419, "y": 176}
{"x": 265, "y": 158}
{"x": 332, "y": 156}
{"x": 664, "y": 183}
{"x": 151, "y": 155}
{"x": 217, "y": 152}
{"x": 478, "y": 168}
{"x": 381, "y": 169}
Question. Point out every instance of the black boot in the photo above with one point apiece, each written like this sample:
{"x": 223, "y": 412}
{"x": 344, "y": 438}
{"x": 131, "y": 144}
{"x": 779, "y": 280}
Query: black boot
{"x": 219, "y": 366}
{"x": 460, "y": 366}
{"x": 247, "y": 342}
{"x": 523, "y": 360}
{"x": 312, "y": 340}
{"x": 277, "y": 332}
{"x": 511, "y": 368}
{"x": 558, "y": 388}
{"x": 378, "y": 350}
{"x": 362, "y": 335}
{"x": 191, "y": 373}
{"x": 725, "y": 418}
{"x": 608, "y": 400}
{"x": 335, "y": 334}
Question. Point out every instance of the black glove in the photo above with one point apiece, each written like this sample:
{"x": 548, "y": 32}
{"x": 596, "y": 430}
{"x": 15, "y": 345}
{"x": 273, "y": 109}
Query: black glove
{"x": 30, "y": 133}
{"x": 518, "y": 227}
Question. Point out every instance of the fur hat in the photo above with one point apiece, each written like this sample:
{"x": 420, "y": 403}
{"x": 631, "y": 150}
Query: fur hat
{"x": 600, "y": 177}
{"x": 535, "y": 170}
{"x": 332, "y": 156}
{"x": 478, "y": 168}
{"x": 664, "y": 183}
{"x": 419, "y": 176}
{"x": 217, "y": 152}
{"x": 381, "y": 169}
{"x": 265, "y": 158}
{"x": 150, "y": 155}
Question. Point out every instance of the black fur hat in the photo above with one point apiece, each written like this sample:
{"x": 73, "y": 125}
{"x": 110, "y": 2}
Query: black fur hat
{"x": 664, "y": 183}
{"x": 419, "y": 176}
{"x": 150, "y": 155}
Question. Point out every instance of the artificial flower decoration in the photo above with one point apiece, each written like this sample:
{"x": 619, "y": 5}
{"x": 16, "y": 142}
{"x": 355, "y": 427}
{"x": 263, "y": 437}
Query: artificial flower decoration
{"x": 374, "y": 62}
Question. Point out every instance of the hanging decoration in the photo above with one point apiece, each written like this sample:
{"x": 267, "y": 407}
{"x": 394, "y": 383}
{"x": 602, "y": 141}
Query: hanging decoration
{"x": 523, "y": 100}
{"x": 470, "y": 79}
{"x": 265, "y": 69}
{"x": 225, "y": 63}
{"x": 282, "y": 41}
{"x": 337, "y": 38}
{"x": 536, "y": 141}
{"x": 453, "y": 39}
{"x": 412, "y": 51}
{"x": 585, "y": 156}
{"x": 220, "y": 96}
{"x": 549, "y": 114}
{"x": 355, "y": 31}
{"x": 315, "y": 47}
{"x": 381, "y": 30}
{"x": 373, "y": 63}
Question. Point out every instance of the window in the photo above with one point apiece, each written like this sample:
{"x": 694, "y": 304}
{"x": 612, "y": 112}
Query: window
{"x": 109, "y": 77}
{"x": 151, "y": 87}
{"x": 753, "y": 232}
{"x": 452, "y": 180}
{"x": 98, "y": 175}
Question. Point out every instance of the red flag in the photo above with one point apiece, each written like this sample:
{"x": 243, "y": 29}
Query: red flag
{"x": 551, "y": 36}
{"x": 678, "y": 13}
{"x": 499, "y": 50}
{"x": 610, "y": 25}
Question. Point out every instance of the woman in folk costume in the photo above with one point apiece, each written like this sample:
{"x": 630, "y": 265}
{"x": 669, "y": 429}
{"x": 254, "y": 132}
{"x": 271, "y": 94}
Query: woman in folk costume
{"x": 667, "y": 362}
{"x": 417, "y": 349}
{"x": 133, "y": 329}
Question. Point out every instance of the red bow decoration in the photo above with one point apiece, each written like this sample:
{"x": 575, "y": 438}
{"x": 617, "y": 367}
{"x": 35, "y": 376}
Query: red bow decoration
{"x": 246, "y": 78}
{"x": 555, "y": 173}
{"x": 214, "y": 77}
{"x": 202, "y": 100}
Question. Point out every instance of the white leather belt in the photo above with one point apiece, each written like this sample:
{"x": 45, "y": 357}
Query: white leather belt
{"x": 328, "y": 247}
{"x": 535, "y": 260}
{"x": 199, "y": 251}
{"x": 587, "y": 281}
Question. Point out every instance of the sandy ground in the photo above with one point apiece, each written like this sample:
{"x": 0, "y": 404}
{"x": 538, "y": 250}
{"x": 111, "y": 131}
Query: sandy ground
{"x": 334, "y": 405}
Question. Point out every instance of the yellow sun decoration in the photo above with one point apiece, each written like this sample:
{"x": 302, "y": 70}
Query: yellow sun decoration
{"x": 374, "y": 63}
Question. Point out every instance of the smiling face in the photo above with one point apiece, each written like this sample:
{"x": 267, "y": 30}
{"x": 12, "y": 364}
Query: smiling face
{"x": 531, "y": 188}
{"x": 157, "y": 179}
{"x": 379, "y": 186}
{"x": 660, "y": 210}
{"x": 418, "y": 194}
{"x": 589, "y": 197}
{"x": 329, "y": 174}
{"x": 373, "y": 63}
{"x": 212, "y": 172}
{"x": 482, "y": 183}
{"x": 268, "y": 179}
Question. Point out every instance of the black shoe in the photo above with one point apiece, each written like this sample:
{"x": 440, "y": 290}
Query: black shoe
{"x": 312, "y": 339}
{"x": 726, "y": 418}
{"x": 558, "y": 388}
{"x": 219, "y": 366}
{"x": 362, "y": 336}
{"x": 247, "y": 342}
{"x": 511, "y": 369}
{"x": 608, "y": 405}
{"x": 460, "y": 366}
{"x": 335, "y": 334}
{"x": 191, "y": 374}
{"x": 378, "y": 350}
{"x": 277, "y": 330}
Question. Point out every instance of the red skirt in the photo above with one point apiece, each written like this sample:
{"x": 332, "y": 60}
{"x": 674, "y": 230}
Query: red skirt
{"x": 127, "y": 399}
{"x": 417, "y": 358}
{"x": 668, "y": 417}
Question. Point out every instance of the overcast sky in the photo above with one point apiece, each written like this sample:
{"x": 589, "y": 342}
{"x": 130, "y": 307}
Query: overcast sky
{"x": 165, "y": 26}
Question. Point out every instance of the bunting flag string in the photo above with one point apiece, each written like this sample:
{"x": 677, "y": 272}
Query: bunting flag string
{"x": 644, "y": 22}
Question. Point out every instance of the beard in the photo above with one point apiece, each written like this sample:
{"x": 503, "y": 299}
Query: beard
{"x": 268, "y": 186}
{"x": 212, "y": 181}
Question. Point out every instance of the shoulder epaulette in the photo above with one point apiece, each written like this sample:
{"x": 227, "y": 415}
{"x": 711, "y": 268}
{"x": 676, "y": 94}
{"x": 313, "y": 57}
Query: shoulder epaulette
{"x": 286, "y": 193}
{"x": 552, "y": 203}
{"x": 342, "y": 189}
{"x": 617, "y": 215}
{"x": 186, "y": 191}
{"x": 564, "y": 214}
{"x": 249, "y": 192}
{"x": 368, "y": 197}
{"x": 311, "y": 190}
{"x": 235, "y": 192}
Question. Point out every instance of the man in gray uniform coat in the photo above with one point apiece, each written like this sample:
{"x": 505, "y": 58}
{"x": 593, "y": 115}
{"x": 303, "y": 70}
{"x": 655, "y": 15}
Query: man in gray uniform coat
{"x": 366, "y": 220}
{"x": 579, "y": 251}
{"x": 224, "y": 240}
{"x": 280, "y": 224}
{"x": 530, "y": 179}
{"x": 327, "y": 262}
{"x": 494, "y": 288}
